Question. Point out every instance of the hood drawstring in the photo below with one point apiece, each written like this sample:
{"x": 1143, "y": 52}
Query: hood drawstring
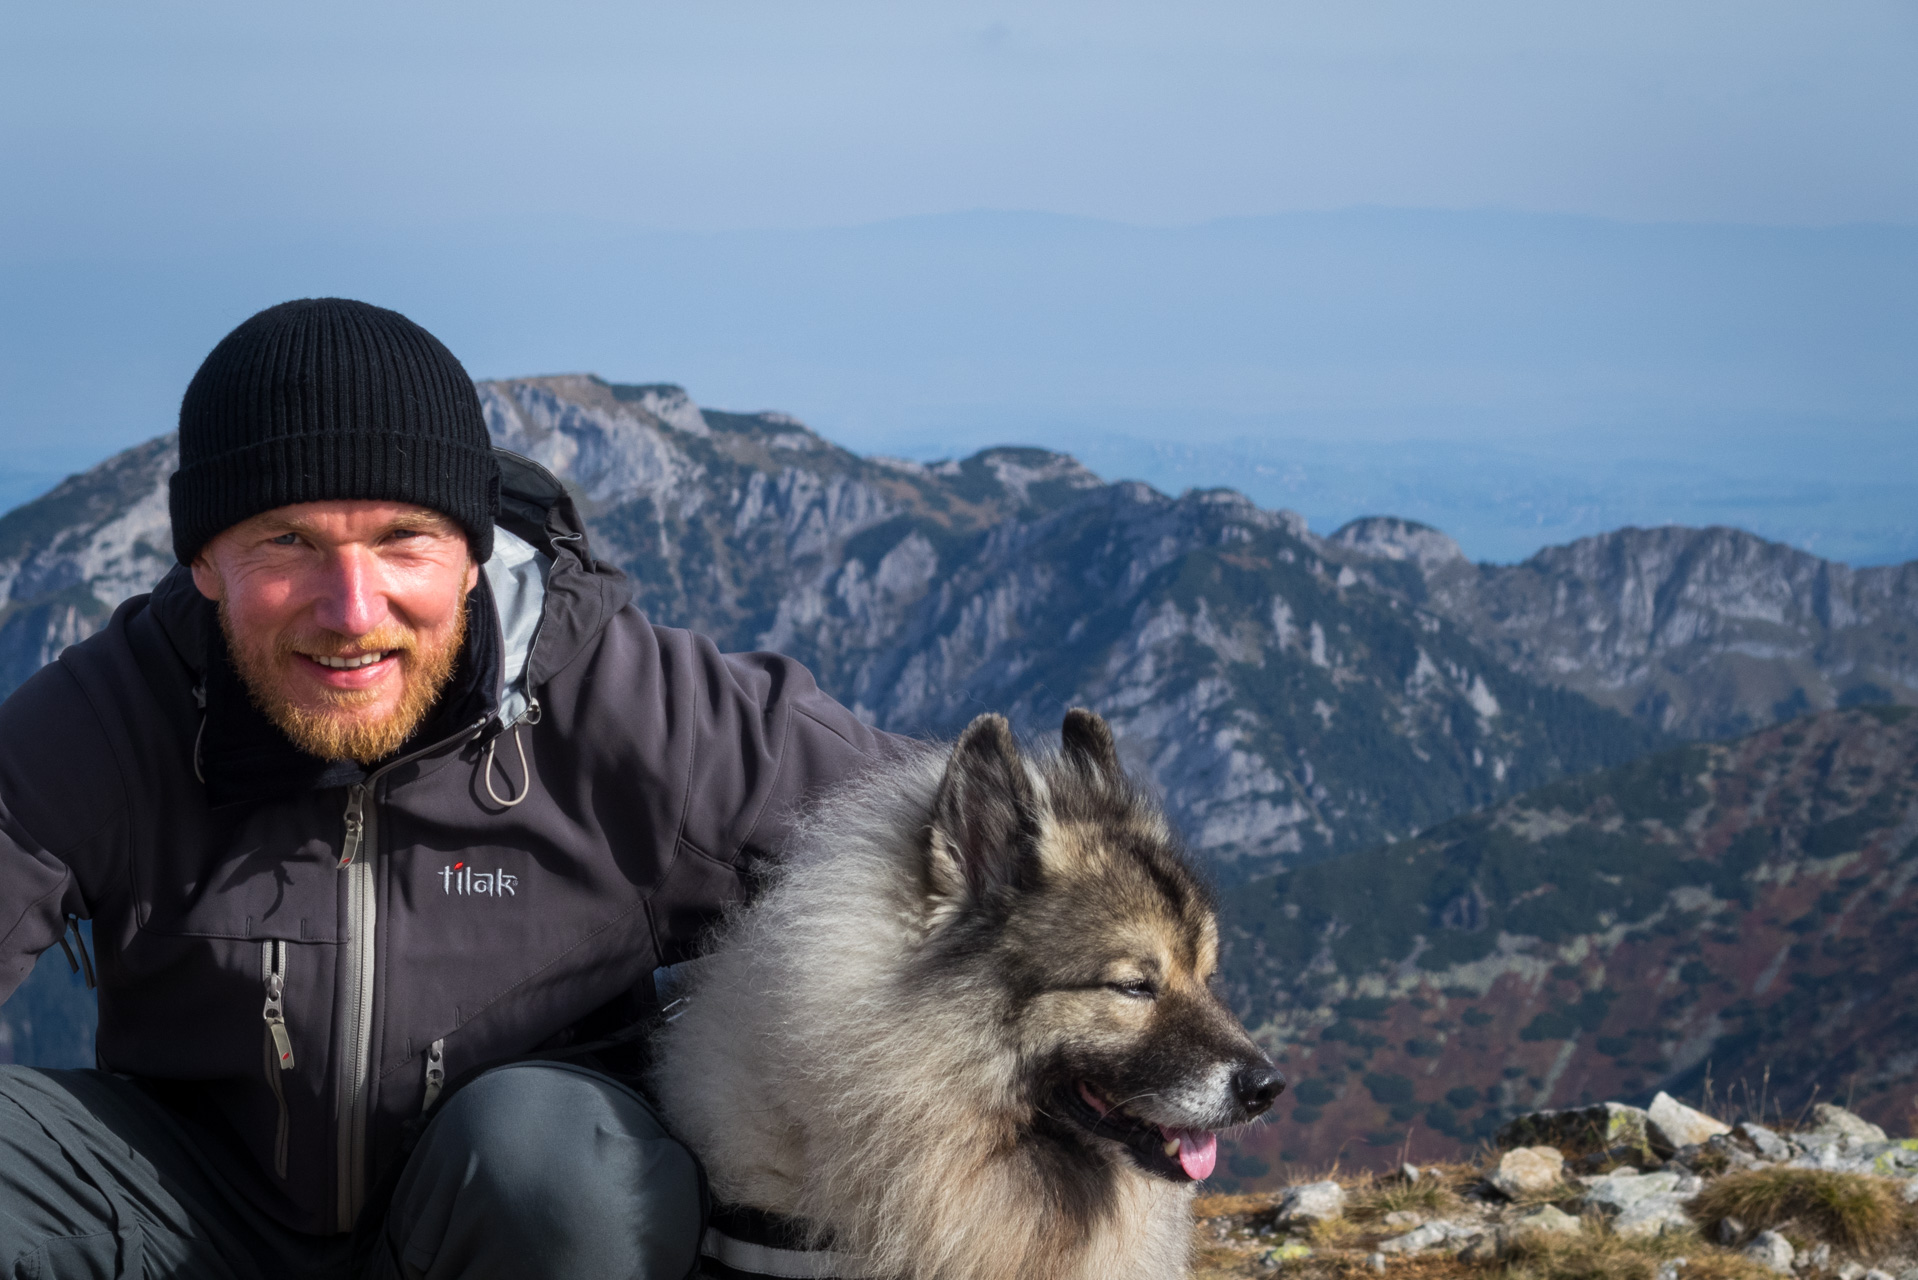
{"x": 530, "y": 716}
{"x": 199, "y": 698}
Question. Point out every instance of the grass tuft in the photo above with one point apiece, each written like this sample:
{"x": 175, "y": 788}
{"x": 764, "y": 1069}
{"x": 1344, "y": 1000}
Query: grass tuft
{"x": 1595, "y": 1256}
{"x": 1852, "y": 1210}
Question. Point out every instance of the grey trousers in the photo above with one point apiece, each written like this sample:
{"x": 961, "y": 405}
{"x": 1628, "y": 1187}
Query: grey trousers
{"x": 534, "y": 1170}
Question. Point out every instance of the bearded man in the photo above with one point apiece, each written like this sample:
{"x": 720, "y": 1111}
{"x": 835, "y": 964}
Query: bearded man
{"x": 387, "y": 784}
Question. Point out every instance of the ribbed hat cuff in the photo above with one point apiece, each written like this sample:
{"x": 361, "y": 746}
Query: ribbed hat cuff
{"x": 457, "y": 480}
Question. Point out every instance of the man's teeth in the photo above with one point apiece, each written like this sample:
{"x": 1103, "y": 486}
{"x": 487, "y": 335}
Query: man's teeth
{"x": 349, "y": 664}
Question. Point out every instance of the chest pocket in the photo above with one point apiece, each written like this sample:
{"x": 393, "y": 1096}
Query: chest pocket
{"x": 255, "y": 871}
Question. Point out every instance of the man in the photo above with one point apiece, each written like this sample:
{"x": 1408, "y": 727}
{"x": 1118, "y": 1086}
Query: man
{"x": 386, "y": 781}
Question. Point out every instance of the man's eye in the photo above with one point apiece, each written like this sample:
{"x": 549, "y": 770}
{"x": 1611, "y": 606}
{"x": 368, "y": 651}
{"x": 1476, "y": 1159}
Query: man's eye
{"x": 287, "y": 540}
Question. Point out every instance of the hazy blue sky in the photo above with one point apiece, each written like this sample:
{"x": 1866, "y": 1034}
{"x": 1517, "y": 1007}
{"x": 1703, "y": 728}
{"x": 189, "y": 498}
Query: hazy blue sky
{"x": 767, "y": 202}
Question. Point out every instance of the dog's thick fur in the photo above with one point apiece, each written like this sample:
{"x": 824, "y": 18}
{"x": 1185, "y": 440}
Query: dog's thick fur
{"x": 968, "y": 966}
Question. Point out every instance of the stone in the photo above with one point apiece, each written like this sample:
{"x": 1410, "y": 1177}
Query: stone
{"x": 1582, "y": 1130}
{"x": 1376, "y": 1261}
{"x": 1547, "y": 1219}
{"x": 1410, "y": 1172}
{"x": 1730, "y": 1231}
{"x": 1911, "y": 1191}
{"x": 1290, "y": 1251}
{"x": 1765, "y": 1142}
{"x": 1670, "y": 1268}
{"x": 1652, "y": 1215}
{"x": 1839, "y": 1123}
{"x": 1528, "y": 1171}
{"x": 1311, "y": 1202}
{"x": 1427, "y": 1236}
{"x": 1402, "y": 1220}
{"x": 1772, "y": 1252}
{"x": 1488, "y": 1246}
{"x": 1620, "y": 1191}
{"x": 1680, "y": 1125}
{"x": 1895, "y": 1159}
{"x": 1819, "y": 1258}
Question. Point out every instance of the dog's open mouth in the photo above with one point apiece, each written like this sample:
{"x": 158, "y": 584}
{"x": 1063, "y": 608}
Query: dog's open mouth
{"x": 1180, "y": 1155}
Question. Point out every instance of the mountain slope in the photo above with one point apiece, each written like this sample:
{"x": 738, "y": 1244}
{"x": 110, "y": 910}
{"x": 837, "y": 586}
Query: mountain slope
{"x": 1745, "y": 912}
{"x": 1703, "y": 633}
{"x": 1285, "y": 709}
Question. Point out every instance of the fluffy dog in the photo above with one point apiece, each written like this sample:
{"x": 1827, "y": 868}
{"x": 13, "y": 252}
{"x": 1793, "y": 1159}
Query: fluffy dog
{"x": 967, "y": 1032}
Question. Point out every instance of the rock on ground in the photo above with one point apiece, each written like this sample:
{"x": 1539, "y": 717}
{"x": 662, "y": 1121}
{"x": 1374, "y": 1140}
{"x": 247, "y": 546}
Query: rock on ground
{"x": 1582, "y": 1130}
{"x": 1840, "y": 1123}
{"x": 1312, "y": 1202}
{"x": 1429, "y": 1236}
{"x": 1652, "y": 1215}
{"x": 1617, "y": 1192}
{"x": 1548, "y": 1219}
{"x": 1528, "y": 1171}
{"x": 1765, "y": 1142}
{"x": 1771, "y": 1251}
{"x": 1682, "y": 1126}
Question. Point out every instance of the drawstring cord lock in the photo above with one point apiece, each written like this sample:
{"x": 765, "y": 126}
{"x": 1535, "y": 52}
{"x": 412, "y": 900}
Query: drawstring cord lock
{"x": 530, "y": 716}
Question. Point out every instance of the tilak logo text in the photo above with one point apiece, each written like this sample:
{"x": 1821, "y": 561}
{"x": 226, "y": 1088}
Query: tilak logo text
{"x": 464, "y": 880}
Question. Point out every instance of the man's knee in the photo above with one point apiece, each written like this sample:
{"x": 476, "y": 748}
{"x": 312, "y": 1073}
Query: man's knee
{"x": 546, "y": 1169}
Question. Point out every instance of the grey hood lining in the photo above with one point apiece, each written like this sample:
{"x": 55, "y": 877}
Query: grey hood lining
{"x": 517, "y": 574}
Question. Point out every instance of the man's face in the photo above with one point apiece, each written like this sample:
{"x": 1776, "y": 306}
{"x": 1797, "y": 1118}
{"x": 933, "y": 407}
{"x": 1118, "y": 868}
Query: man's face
{"x": 344, "y": 618}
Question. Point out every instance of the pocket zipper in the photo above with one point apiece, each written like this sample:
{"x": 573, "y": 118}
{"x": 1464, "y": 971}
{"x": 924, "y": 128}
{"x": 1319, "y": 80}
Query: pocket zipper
{"x": 435, "y": 1073}
{"x": 279, "y": 1045}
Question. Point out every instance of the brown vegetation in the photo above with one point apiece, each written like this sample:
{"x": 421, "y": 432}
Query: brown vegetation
{"x": 1852, "y": 1210}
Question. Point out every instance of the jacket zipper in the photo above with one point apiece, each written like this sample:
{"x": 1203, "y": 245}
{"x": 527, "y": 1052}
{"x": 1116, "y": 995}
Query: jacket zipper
{"x": 358, "y": 852}
{"x": 435, "y": 1073}
{"x": 279, "y": 1045}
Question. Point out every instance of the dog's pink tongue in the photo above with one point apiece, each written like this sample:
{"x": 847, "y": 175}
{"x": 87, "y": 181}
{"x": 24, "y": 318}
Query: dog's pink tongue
{"x": 1198, "y": 1152}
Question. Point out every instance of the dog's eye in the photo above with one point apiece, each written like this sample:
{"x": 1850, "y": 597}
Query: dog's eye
{"x": 1138, "y": 987}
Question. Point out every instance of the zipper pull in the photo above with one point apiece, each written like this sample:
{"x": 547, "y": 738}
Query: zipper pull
{"x": 435, "y": 1073}
{"x": 355, "y": 823}
{"x": 86, "y": 961}
{"x": 273, "y": 973}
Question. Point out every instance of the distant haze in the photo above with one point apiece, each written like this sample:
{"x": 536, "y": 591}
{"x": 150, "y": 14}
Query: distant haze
{"x": 1523, "y": 272}
{"x": 1515, "y": 379}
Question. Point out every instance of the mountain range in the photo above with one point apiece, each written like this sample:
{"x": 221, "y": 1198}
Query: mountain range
{"x": 1294, "y": 697}
{"x": 1736, "y": 920}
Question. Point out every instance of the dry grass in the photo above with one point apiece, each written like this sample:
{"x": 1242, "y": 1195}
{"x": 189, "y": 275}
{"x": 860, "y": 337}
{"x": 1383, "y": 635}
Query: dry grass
{"x": 1368, "y": 1199}
{"x": 1594, "y": 1256}
{"x": 1852, "y": 1210}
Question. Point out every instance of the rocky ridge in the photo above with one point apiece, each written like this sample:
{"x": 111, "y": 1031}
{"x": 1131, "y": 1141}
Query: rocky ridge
{"x": 1704, "y": 633}
{"x": 1735, "y": 918}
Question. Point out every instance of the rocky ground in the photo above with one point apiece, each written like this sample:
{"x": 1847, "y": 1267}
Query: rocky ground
{"x": 1666, "y": 1193}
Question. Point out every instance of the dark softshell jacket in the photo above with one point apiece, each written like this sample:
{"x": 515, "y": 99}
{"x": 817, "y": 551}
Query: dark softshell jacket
{"x": 419, "y": 921}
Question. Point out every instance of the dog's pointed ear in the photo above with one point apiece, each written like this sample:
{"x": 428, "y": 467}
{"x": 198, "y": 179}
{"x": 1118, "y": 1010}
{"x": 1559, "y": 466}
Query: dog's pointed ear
{"x": 984, "y": 821}
{"x": 1088, "y": 744}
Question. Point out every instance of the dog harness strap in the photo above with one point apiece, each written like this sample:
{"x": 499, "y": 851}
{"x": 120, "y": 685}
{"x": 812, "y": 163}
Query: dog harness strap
{"x": 750, "y": 1244}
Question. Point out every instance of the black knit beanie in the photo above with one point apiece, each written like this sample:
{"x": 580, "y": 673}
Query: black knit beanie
{"x": 329, "y": 398}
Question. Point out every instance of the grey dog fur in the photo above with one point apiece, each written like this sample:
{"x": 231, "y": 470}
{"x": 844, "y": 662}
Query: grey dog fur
{"x": 869, "y": 1045}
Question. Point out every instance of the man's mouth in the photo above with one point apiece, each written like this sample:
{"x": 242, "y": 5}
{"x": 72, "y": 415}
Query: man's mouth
{"x": 1178, "y": 1155}
{"x": 351, "y": 663}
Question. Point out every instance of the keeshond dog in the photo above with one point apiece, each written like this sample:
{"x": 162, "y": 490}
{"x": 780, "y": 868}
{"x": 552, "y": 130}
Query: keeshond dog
{"x": 967, "y": 1031}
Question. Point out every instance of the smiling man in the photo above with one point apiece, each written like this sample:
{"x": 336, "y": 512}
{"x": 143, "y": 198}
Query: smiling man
{"x": 384, "y": 804}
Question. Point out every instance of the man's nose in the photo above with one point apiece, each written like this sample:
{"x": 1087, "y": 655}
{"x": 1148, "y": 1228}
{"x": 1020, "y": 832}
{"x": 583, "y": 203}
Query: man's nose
{"x": 352, "y": 597}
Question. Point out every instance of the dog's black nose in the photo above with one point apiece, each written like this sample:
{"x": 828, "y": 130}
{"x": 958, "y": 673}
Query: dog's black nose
{"x": 1258, "y": 1086}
